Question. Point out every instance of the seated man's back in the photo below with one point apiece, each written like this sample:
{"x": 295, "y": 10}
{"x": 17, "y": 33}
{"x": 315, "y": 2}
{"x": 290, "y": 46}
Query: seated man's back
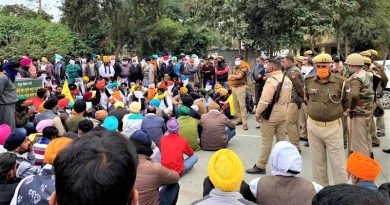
{"x": 99, "y": 168}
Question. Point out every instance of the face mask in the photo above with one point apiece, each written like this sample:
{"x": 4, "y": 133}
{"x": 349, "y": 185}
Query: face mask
{"x": 237, "y": 63}
{"x": 125, "y": 62}
{"x": 72, "y": 62}
{"x": 112, "y": 62}
{"x": 322, "y": 73}
{"x": 266, "y": 66}
{"x": 57, "y": 60}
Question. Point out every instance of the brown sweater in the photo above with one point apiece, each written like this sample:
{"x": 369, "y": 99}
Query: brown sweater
{"x": 150, "y": 177}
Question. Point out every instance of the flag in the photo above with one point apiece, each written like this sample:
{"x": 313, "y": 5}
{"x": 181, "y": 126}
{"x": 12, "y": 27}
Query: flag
{"x": 65, "y": 91}
{"x": 231, "y": 105}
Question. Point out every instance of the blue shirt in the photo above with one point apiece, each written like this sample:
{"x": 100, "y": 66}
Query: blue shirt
{"x": 367, "y": 185}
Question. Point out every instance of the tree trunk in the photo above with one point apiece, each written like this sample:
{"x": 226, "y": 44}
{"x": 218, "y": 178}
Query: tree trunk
{"x": 338, "y": 42}
{"x": 239, "y": 47}
{"x": 346, "y": 46}
{"x": 39, "y": 6}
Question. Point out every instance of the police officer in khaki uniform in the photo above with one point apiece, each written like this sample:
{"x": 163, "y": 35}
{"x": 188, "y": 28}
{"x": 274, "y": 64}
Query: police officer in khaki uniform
{"x": 339, "y": 70}
{"x": 328, "y": 98}
{"x": 276, "y": 124}
{"x": 369, "y": 67}
{"x": 294, "y": 108}
{"x": 238, "y": 77}
{"x": 362, "y": 95}
{"x": 377, "y": 67}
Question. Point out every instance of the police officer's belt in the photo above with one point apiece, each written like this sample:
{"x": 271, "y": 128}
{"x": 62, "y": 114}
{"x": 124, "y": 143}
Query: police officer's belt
{"x": 323, "y": 124}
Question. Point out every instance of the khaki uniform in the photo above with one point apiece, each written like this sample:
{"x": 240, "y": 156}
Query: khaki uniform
{"x": 276, "y": 125}
{"x": 303, "y": 121}
{"x": 380, "y": 125}
{"x": 239, "y": 93}
{"x": 362, "y": 94}
{"x": 344, "y": 119}
{"x": 292, "y": 124}
{"x": 327, "y": 102}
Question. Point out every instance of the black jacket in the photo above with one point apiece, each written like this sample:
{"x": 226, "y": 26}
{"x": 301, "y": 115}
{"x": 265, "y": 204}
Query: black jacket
{"x": 7, "y": 190}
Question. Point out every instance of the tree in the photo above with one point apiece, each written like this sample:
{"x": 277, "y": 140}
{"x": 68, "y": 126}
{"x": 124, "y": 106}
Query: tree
{"x": 34, "y": 38}
{"x": 23, "y": 12}
{"x": 86, "y": 19}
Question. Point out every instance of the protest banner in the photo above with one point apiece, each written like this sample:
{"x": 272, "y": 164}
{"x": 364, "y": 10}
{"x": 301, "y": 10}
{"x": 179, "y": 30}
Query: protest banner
{"x": 28, "y": 87}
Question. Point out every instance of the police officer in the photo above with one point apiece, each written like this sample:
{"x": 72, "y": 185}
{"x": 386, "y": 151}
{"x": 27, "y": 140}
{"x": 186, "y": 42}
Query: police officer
{"x": 374, "y": 71}
{"x": 237, "y": 75}
{"x": 296, "y": 77}
{"x": 377, "y": 67}
{"x": 338, "y": 68}
{"x": 327, "y": 99}
{"x": 276, "y": 124}
{"x": 362, "y": 95}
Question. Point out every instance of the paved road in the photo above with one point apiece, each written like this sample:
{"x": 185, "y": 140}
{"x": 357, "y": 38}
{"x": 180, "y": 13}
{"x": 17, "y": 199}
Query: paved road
{"x": 247, "y": 145}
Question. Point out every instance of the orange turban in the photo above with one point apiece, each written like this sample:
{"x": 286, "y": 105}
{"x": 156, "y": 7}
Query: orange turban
{"x": 101, "y": 115}
{"x": 363, "y": 167}
{"x": 54, "y": 147}
{"x": 116, "y": 95}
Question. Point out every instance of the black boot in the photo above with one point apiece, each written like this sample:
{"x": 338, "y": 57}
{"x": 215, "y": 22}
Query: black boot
{"x": 386, "y": 151}
{"x": 255, "y": 170}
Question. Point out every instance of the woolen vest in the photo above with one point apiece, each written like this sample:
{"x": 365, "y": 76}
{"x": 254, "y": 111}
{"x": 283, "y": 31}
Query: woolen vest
{"x": 281, "y": 190}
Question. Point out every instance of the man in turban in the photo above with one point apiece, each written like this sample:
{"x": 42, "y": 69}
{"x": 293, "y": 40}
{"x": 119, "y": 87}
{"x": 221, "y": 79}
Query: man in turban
{"x": 226, "y": 173}
{"x": 363, "y": 170}
{"x": 286, "y": 165}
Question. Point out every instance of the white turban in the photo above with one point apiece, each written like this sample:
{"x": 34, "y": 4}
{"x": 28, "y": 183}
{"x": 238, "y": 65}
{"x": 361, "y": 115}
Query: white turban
{"x": 284, "y": 157}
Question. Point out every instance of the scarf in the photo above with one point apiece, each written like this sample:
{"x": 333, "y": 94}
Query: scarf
{"x": 160, "y": 97}
{"x": 10, "y": 72}
{"x": 151, "y": 93}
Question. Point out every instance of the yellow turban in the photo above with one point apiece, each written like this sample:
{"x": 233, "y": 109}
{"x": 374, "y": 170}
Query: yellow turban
{"x": 225, "y": 170}
{"x": 183, "y": 90}
{"x": 119, "y": 104}
{"x": 223, "y": 91}
{"x": 106, "y": 59}
{"x": 54, "y": 147}
{"x": 217, "y": 87}
{"x": 44, "y": 59}
{"x": 135, "y": 107}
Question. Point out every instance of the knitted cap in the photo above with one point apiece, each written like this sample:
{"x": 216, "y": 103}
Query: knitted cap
{"x": 142, "y": 137}
{"x": 14, "y": 140}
